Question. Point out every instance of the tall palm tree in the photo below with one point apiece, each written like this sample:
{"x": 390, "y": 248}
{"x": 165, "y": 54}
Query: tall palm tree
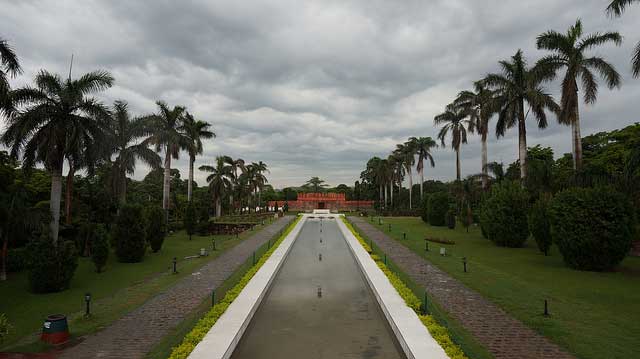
{"x": 130, "y": 144}
{"x": 219, "y": 181}
{"x": 260, "y": 179}
{"x": 237, "y": 164}
{"x": 9, "y": 67}
{"x": 47, "y": 120}
{"x": 406, "y": 152}
{"x": 454, "y": 121}
{"x": 479, "y": 105}
{"x": 424, "y": 145}
{"x": 195, "y": 131}
{"x": 570, "y": 53}
{"x": 395, "y": 173}
{"x": 616, "y": 8}
{"x": 166, "y": 136}
{"x": 516, "y": 85}
{"x": 381, "y": 171}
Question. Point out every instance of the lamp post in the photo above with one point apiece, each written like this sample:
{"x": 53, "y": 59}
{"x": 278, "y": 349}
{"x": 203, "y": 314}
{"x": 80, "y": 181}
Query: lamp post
{"x": 87, "y": 301}
{"x": 175, "y": 263}
{"x": 464, "y": 262}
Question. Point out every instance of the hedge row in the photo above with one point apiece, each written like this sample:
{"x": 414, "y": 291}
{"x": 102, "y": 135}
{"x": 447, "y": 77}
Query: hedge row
{"x": 203, "y": 326}
{"x": 438, "y": 332}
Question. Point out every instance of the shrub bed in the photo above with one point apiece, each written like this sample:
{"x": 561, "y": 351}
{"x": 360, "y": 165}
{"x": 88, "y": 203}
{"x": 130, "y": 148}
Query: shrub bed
{"x": 129, "y": 234}
{"x": 539, "y": 224}
{"x": 438, "y": 207}
{"x": 156, "y": 229}
{"x": 503, "y": 216}
{"x": 593, "y": 227}
{"x": 51, "y": 267}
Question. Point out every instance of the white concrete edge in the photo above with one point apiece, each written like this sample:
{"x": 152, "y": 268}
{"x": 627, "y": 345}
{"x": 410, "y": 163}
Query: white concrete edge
{"x": 223, "y": 337}
{"x": 412, "y": 335}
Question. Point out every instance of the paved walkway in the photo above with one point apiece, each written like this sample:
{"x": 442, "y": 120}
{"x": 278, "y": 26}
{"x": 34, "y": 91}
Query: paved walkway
{"x": 135, "y": 334}
{"x": 500, "y": 333}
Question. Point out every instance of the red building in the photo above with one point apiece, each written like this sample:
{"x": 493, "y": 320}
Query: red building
{"x": 332, "y": 201}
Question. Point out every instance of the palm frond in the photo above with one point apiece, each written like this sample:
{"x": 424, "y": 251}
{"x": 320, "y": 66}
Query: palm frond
{"x": 617, "y": 7}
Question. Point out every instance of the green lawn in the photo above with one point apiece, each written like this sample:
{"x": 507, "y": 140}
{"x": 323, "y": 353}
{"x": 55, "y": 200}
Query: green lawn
{"x": 116, "y": 291}
{"x": 593, "y": 315}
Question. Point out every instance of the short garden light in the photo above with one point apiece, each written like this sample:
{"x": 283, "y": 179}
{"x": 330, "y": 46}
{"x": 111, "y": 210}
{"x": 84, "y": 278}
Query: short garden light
{"x": 213, "y": 244}
{"x": 404, "y": 235}
{"x": 175, "y": 264}
{"x": 87, "y": 301}
{"x": 546, "y": 308}
{"x": 389, "y": 227}
{"x": 426, "y": 245}
{"x": 464, "y": 262}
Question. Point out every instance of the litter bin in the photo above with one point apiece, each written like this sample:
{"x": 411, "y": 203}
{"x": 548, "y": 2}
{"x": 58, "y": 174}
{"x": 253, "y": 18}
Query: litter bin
{"x": 55, "y": 329}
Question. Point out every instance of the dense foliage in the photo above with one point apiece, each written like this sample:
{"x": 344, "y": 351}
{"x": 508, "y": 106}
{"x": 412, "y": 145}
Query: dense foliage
{"x": 51, "y": 267}
{"x": 539, "y": 224}
{"x": 100, "y": 247}
{"x": 424, "y": 213}
{"x": 503, "y": 215}
{"x": 156, "y": 227}
{"x": 438, "y": 208}
{"x": 592, "y": 227}
{"x": 451, "y": 219}
{"x": 129, "y": 234}
{"x": 190, "y": 221}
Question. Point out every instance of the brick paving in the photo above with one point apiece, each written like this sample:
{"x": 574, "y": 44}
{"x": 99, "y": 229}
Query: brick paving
{"x": 135, "y": 334}
{"x": 500, "y": 333}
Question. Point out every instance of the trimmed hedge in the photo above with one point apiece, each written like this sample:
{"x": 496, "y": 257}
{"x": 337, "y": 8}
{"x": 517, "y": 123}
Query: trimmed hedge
{"x": 202, "y": 327}
{"x": 51, "y": 267}
{"x": 129, "y": 234}
{"x": 593, "y": 227}
{"x": 438, "y": 207}
{"x": 156, "y": 228}
{"x": 100, "y": 247}
{"x": 503, "y": 215}
{"x": 539, "y": 224}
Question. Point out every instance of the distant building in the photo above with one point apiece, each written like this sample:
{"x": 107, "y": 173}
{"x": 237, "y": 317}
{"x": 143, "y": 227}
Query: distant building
{"x": 332, "y": 201}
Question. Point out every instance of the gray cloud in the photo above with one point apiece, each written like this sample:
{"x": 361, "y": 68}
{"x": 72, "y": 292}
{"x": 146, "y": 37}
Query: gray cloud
{"x": 313, "y": 88}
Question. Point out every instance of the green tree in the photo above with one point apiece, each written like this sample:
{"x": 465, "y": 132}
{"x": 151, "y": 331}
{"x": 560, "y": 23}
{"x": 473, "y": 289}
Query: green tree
{"x": 129, "y": 234}
{"x": 315, "y": 184}
{"x": 100, "y": 248}
{"x": 570, "y": 53}
{"x": 424, "y": 145}
{"x": 616, "y": 8}
{"x": 126, "y": 134}
{"x": 515, "y": 86}
{"x": 195, "y": 131}
{"x": 156, "y": 228}
{"x": 539, "y": 224}
{"x": 9, "y": 67}
{"x": 453, "y": 121}
{"x": 51, "y": 118}
{"x": 190, "y": 219}
{"x": 219, "y": 181}
{"x": 406, "y": 152}
{"x": 503, "y": 215}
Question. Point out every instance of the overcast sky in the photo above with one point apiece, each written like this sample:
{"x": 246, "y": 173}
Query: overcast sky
{"x": 314, "y": 88}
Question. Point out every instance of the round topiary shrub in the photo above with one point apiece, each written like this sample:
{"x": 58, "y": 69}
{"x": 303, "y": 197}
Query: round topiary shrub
{"x": 503, "y": 215}
{"x": 539, "y": 224}
{"x": 129, "y": 234}
{"x": 438, "y": 207}
{"x": 51, "y": 267}
{"x": 100, "y": 247}
{"x": 451, "y": 219}
{"x": 156, "y": 227}
{"x": 592, "y": 227}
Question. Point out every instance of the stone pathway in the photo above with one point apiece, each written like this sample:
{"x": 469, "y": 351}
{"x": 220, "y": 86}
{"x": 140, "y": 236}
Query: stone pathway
{"x": 500, "y": 333}
{"x": 135, "y": 334}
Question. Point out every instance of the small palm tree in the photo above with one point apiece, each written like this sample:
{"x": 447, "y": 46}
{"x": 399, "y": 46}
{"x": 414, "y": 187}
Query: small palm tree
{"x": 128, "y": 148}
{"x": 195, "y": 131}
{"x": 616, "y": 8}
{"x": 406, "y": 153}
{"x": 166, "y": 136}
{"x": 480, "y": 106}
{"x": 515, "y": 86}
{"x": 9, "y": 67}
{"x": 424, "y": 145}
{"x": 47, "y": 122}
{"x": 454, "y": 121}
{"x": 569, "y": 52}
{"x": 219, "y": 181}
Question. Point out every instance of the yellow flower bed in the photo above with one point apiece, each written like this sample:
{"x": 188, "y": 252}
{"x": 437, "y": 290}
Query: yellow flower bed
{"x": 438, "y": 332}
{"x": 204, "y": 325}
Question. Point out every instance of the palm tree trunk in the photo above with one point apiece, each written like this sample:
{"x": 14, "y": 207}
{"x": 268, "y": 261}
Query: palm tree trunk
{"x": 484, "y": 160}
{"x": 421, "y": 178}
{"x": 380, "y": 195}
{"x": 167, "y": 181}
{"x": 458, "y": 164}
{"x": 391, "y": 190}
{"x": 522, "y": 144}
{"x": 192, "y": 159}
{"x": 218, "y": 207}
{"x": 386, "y": 195}
{"x": 54, "y": 203}
{"x": 123, "y": 190}
{"x": 410, "y": 184}
{"x": 68, "y": 199}
{"x": 577, "y": 142}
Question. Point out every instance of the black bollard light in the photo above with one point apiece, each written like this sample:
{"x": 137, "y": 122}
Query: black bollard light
{"x": 426, "y": 307}
{"x": 389, "y": 227}
{"x": 385, "y": 259}
{"x": 213, "y": 244}
{"x": 426, "y": 245}
{"x": 213, "y": 297}
{"x": 175, "y": 263}
{"x": 320, "y": 257}
{"x": 464, "y": 262}
{"x": 87, "y": 301}
{"x": 546, "y": 308}
{"x": 254, "y": 258}
{"x": 404, "y": 235}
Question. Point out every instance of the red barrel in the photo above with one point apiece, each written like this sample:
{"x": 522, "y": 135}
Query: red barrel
{"x": 55, "y": 329}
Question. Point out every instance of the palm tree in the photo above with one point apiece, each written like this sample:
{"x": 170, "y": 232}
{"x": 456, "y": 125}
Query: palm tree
{"x": 195, "y": 131}
{"x": 9, "y": 67}
{"x": 497, "y": 169}
{"x": 406, "y": 152}
{"x": 47, "y": 120}
{"x": 423, "y": 150}
{"x": 237, "y": 164}
{"x": 219, "y": 181}
{"x": 259, "y": 179}
{"x": 616, "y": 8}
{"x": 479, "y": 105}
{"x": 395, "y": 173}
{"x": 516, "y": 85}
{"x": 127, "y": 147}
{"x": 165, "y": 135}
{"x": 454, "y": 120}
{"x": 570, "y": 51}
